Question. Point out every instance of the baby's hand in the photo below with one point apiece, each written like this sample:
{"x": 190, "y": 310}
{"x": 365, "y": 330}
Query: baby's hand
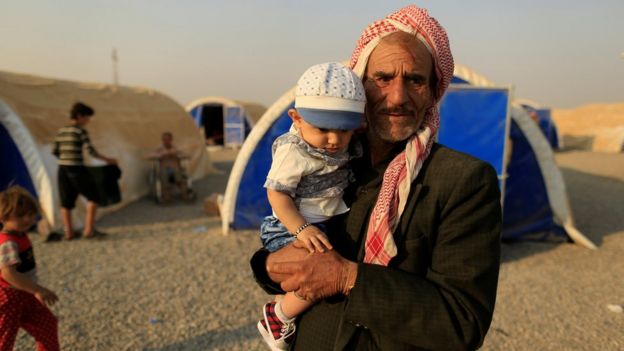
{"x": 46, "y": 296}
{"x": 314, "y": 239}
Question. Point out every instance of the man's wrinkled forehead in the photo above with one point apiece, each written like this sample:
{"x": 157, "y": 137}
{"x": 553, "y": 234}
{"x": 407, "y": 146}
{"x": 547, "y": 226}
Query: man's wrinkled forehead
{"x": 405, "y": 43}
{"x": 408, "y": 39}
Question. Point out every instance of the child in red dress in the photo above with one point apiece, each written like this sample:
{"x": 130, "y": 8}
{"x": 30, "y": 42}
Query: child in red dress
{"x": 22, "y": 301}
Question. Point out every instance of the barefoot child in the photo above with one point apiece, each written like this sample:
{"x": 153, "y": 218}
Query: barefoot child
{"x": 22, "y": 301}
{"x": 308, "y": 175}
{"x": 73, "y": 176}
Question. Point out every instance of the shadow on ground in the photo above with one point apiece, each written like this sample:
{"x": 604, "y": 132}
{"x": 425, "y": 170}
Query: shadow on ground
{"x": 597, "y": 205}
{"x": 134, "y": 213}
{"x": 215, "y": 339}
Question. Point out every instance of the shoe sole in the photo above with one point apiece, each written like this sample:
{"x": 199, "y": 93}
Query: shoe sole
{"x": 268, "y": 338}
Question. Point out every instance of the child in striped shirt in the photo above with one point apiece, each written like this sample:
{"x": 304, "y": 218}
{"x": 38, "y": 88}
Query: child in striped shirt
{"x": 73, "y": 177}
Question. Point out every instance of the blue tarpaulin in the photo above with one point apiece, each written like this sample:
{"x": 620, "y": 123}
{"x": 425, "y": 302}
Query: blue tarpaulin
{"x": 473, "y": 120}
{"x": 251, "y": 202}
{"x": 12, "y": 166}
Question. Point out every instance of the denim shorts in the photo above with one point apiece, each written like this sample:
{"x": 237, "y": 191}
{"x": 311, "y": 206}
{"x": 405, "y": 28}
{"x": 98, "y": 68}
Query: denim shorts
{"x": 274, "y": 235}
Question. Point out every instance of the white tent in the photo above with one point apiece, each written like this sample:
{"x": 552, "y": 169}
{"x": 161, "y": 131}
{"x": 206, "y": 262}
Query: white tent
{"x": 128, "y": 123}
{"x": 224, "y": 121}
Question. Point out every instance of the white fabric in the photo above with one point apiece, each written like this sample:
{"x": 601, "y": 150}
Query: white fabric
{"x": 471, "y": 76}
{"x": 290, "y": 163}
{"x": 330, "y": 104}
{"x": 338, "y": 87}
{"x": 44, "y": 180}
{"x": 553, "y": 179}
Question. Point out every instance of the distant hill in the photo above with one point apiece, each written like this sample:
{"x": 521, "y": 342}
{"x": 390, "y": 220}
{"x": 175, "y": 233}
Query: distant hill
{"x": 598, "y": 127}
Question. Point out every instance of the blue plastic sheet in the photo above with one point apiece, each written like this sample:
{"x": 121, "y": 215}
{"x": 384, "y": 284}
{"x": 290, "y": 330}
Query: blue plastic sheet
{"x": 196, "y": 114}
{"x": 251, "y": 203}
{"x": 234, "y": 127}
{"x": 474, "y": 121}
{"x": 12, "y": 166}
{"x": 527, "y": 210}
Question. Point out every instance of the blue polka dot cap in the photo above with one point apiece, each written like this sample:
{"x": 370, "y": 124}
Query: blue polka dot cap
{"x": 330, "y": 96}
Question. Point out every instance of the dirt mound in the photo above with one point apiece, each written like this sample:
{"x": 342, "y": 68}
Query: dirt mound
{"x": 597, "y": 127}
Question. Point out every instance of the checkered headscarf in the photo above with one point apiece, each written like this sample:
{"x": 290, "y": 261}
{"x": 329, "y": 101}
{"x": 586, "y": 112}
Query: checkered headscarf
{"x": 380, "y": 246}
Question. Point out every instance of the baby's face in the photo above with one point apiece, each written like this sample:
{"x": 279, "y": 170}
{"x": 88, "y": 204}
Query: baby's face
{"x": 20, "y": 224}
{"x": 330, "y": 140}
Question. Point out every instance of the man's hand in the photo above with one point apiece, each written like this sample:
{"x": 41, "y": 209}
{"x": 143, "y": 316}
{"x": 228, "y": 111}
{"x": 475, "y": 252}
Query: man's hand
{"x": 318, "y": 276}
{"x": 46, "y": 296}
{"x": 313, "y": 239}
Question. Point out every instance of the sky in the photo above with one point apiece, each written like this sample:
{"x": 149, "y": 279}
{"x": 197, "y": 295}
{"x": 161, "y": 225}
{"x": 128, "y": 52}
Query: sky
{"x": 558, "y": 53}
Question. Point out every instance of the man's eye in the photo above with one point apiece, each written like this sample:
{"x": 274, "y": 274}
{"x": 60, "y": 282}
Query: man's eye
{"x": 415, "y": 80}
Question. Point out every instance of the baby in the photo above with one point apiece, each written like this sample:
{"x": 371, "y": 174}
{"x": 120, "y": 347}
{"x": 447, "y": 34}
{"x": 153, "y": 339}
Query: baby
{"x": 308, "y": 175}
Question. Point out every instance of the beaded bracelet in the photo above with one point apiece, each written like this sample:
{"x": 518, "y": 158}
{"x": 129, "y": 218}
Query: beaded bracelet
{"x": 300, "y": 229}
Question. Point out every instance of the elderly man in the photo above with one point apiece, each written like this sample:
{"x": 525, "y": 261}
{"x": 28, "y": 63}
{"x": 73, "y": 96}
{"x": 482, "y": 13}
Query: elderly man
{"x": 415, "y": 261}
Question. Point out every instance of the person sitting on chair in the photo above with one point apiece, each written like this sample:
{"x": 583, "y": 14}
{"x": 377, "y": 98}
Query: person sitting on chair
{"x": 171, "y": 171}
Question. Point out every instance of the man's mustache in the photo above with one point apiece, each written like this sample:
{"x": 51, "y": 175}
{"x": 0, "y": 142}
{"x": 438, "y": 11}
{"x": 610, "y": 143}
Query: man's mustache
{"x": 401, "y": 110}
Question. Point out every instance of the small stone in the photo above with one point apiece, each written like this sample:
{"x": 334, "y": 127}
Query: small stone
{"x": 200, "y": 229}
{"x": 615, "y": 308}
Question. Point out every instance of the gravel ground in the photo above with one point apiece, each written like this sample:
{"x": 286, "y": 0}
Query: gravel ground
{"x": 166, "y": 279}
{"x": 555, "y": 297}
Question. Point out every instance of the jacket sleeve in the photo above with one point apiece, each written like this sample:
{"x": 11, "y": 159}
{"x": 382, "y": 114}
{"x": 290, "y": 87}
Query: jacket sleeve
{"x": 450, "y": 307}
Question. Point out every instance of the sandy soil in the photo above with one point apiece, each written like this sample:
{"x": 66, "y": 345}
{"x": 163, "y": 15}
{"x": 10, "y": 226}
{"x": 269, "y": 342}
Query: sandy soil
{"x": 597, "y": 127}
{"x": 555, "y": 297}
{"x": 166, "y": 279}
{"x": 589, "y": 116}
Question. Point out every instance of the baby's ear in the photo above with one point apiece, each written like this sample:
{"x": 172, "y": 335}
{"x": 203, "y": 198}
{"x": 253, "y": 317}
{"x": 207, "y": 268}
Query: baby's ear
{"x": 294, "y": 115}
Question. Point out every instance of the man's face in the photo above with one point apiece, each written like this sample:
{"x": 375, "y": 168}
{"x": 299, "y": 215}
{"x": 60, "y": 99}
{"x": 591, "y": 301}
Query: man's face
{"x": 397, "y": 89}
{"x": 167, "y": 140}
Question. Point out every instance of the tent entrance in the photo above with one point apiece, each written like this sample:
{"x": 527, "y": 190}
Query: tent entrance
{"x": 212, "y": 123}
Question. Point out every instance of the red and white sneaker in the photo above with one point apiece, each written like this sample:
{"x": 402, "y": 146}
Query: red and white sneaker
{"x": 277, "y": 334}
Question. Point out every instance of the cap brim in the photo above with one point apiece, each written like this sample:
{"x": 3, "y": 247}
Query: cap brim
{"x": 331, "y": 119}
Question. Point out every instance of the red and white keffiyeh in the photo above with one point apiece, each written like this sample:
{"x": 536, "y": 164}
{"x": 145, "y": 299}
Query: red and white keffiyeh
{"x": 380, "y": 246}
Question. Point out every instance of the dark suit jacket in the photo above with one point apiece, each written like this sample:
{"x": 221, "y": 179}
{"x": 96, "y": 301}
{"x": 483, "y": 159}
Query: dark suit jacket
{"x": 439, "y": 291}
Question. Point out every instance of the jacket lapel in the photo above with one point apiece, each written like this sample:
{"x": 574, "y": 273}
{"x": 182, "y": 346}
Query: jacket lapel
{"x": 409, "y": 211}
